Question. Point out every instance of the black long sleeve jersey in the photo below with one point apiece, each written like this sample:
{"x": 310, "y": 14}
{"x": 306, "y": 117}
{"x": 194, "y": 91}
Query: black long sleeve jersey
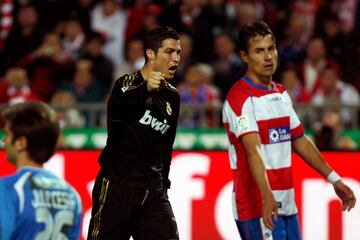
{"x": 141, "y": 131}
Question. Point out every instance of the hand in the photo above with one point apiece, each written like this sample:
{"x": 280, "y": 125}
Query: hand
{"x": 270, "y": 206}
{"x": 155, "y": 80}
{"x": 345, "y": 194}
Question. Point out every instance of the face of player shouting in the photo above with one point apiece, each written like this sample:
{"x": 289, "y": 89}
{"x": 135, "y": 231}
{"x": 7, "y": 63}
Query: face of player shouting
{"x": 261, "y": 59}
{"x": 167, "y": 58}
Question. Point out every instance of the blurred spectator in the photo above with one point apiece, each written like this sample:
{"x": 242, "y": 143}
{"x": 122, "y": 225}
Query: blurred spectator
{"x": 134, "y": 58}
{"x": 46, "y": 65}
{"x": 25, "y": 36}
{"x": 68, "y": 115}
{"x": 293, "y": 86}
{"x": 186, "y": 56}
{"x": 328, "y": 133}
{"x": 306, "y": 9}
{"x": 182, "y": 15}
{"x": 227, "y": 64}
{"x": 282, "y": 11}
{"x": 51, "y": 11}
{"x": 151, "y": 20}
{"x": 136, "y": 14}
{"x": 17, "y": 87}
{"x": 74, "y": 38}
{"x": 356, "y": 60}
{"x": 313, "y": 64}
{"x": 334, "y": 39}
{"x": 187, "y": 16}
{"x": 202, "y": 24}
{"x": 84, "y": 85}
{"x": 215, "y": 16}
{"x": 298, "y": 95}
{"x": 334, "y": 91}
{"x": 199, "y": 92}
{"x": 291, "y": 48}
{"x": 6, "y": 19}
{"x": 247, "y": 12}
{"x": 345, "y": 10}
{"x": 211, "y": 21}
{"x": 81, "y": 9}
{"x": 103, "y": 68}
{"x": 151, "y": 17}
{"x": 110, "y": 19}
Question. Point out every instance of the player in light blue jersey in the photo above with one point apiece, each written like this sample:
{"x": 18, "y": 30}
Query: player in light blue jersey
{"x": 34, "y": 203}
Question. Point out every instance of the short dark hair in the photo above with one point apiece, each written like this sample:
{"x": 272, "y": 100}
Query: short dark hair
{"x": 37, "y": 122}
{"x": 254, "y": 29}
{"x": 155, "y": 37}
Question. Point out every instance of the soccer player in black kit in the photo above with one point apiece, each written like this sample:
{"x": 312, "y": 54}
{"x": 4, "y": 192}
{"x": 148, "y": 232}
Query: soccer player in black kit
{"x": 130, "y": 192}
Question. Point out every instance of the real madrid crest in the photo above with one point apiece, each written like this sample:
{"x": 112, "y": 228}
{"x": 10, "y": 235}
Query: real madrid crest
{"x": 168, "y": 108}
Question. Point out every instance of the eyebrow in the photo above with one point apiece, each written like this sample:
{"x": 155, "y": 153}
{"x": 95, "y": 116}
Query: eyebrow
{"x": 262, "y": 48}
{"x": 172, "y": 49}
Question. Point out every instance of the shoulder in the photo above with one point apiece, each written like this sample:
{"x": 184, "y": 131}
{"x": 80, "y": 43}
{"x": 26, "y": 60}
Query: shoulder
{"x": 22, "y": 174}
{"x": 129, "y": 79}
{"x": 172, "y": 91}
{"x": 129, "y": 82}
{"x": 170, "y": 87}
{"x": 10, "y": 184}
{"x": 239, "y": 92}
{"x": 279, "y": 87}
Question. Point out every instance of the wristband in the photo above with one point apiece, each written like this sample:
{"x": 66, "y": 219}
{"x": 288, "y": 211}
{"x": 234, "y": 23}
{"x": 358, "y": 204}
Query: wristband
{"x": 333, "y": 177}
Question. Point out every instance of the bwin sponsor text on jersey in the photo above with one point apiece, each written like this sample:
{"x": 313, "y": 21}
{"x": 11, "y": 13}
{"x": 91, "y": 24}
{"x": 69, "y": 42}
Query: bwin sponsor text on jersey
{"x": 155, "y": 124}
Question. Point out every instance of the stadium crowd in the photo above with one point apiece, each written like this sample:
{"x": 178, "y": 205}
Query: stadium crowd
{"x": 66, "y": 52}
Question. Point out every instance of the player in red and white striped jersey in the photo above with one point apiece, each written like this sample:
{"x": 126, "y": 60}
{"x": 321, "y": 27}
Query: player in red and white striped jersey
{"x": 263, "y": 129}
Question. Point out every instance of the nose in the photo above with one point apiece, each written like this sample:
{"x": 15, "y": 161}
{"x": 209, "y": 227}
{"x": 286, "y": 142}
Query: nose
{"x": 176, "y": 58}
{"x": 268, "y": 56}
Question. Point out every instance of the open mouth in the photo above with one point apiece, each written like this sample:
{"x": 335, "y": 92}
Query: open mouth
{"x": 173, "y": 68}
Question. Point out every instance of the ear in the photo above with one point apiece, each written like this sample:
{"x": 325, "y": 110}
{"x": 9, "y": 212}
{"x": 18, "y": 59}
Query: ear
{"x": 21, "y": 143}
{"x": 244, "y": 56}
{"x": 150, "y": 54}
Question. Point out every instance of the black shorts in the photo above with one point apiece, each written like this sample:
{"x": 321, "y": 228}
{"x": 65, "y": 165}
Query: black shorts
{"x": 121, "y": 211}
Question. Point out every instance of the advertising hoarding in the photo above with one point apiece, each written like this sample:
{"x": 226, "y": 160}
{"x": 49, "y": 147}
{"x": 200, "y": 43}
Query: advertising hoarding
{"x": 202, "y": 186}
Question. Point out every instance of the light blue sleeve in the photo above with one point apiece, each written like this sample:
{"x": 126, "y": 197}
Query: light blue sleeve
{"x": 8, "y": 210}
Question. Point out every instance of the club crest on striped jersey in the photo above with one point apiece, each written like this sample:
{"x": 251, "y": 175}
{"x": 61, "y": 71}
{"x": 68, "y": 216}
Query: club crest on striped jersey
{"x": 279, "y": 134}
{"x": 242, "y": 124}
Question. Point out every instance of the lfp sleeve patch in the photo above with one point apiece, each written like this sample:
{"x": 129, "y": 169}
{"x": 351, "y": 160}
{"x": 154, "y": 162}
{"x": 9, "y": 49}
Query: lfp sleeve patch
{"x": 242, "y": 124}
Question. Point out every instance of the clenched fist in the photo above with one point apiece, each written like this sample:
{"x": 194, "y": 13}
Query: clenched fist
{"x": 155, "y": 80}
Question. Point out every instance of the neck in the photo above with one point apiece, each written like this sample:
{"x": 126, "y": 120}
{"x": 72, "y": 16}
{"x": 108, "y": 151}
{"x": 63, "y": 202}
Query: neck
{"x": 261, "y": 80}
{"x": 25, "y": 161}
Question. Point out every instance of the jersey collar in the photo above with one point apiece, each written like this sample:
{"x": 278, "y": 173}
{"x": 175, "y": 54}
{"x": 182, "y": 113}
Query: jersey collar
{"x": 249, "y": 81}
